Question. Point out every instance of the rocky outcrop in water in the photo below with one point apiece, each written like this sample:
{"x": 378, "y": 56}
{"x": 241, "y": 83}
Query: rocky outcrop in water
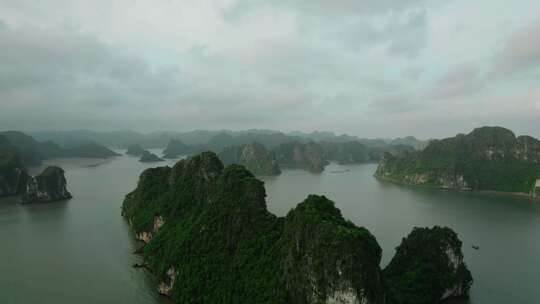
{"x": 328, "y": 259}
{"x": 135, "y": 150}
{"x": 209, "y": 238}
{"x": 149, "y": 157}
{"x": 254, "y": 157}
{"x": 176, "y": 148}
{"x": 49, "y": 186}
{"x": 428, "y": 268}
{"x": 13, "y": 176}
{"x": 488, "y": 158}
{"x": 299, "y": 155}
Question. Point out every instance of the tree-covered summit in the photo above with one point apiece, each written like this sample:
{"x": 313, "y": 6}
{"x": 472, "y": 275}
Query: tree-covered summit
{"x": 209, "y": 238}
{"x": 488, "y": 158}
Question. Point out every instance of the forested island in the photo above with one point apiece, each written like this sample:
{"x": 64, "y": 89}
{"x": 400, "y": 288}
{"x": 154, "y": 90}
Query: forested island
{"x": 271, "y": 152}
{"x": 487, "y": 159}
{"x": 149, "y": 157}
{"x": 255, "y": 157}
{"x": 48, "y": 186}
{"x": 32, "y": 152}
{"x": 135, "y": 150}
{"x": 13, "y": 176}
{"x": 209, "y": 238}
{"x": 18, "y": 151}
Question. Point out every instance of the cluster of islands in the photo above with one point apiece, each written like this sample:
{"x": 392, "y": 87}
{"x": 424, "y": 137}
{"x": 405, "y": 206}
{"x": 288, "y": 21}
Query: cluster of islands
{"x": 206, "y": 233}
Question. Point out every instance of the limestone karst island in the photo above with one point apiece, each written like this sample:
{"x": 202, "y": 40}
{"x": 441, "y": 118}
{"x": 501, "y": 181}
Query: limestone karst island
{"x": 269, "y": 152}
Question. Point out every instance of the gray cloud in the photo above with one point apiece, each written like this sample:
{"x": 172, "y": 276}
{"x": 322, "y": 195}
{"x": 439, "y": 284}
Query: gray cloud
{"x": 412, "y": 73}
{"x": 463, "y": 79}
{"x": 395, "y": 103}
{"x": 347, "y": 66}
{"x": 409, "y": 36}
{"x": 326, "y": 9}
{"x": 520, "y": 52}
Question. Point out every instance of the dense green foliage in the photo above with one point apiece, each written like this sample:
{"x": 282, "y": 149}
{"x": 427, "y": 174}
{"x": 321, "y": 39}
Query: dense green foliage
{"x": 217, "y": 229}
{"x": 423, "y": 269}
{"x": 489, "y": 158}
{"x": 13, "y": 177}
{"x": 317, "y": 239}
{"x": 225, "y": 247}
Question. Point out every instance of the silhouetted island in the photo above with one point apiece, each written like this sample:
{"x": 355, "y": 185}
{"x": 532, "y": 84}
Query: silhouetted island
{"x": 32, "y": 152}
{"x": 13, "y": 176}
{"x": 149, "y": 157}
{"x": 135, "y": 150}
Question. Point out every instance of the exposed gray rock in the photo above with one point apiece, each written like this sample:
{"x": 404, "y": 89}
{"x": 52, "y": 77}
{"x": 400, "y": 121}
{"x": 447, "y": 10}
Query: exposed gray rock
{"x": 299, "y": 155}
{"x": 536, "y": 189}
{"x": 49, "y": 186}
{"x": 255, "y": 157}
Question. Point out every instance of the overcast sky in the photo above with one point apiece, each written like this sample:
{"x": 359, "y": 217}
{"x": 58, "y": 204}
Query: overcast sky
{"x": 378, "y": 68}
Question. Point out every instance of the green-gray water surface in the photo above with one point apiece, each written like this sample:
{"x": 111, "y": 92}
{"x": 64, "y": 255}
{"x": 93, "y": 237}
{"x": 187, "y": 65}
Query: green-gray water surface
{"x": 81, "y": 250}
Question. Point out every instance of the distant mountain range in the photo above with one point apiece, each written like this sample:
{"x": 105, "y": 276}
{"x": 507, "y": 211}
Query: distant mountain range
{"x": 32, "y": 152}
{"x": 217, "y": 139}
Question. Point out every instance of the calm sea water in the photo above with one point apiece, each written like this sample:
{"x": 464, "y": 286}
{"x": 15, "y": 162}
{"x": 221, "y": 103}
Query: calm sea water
{"x": 81, "y": 251}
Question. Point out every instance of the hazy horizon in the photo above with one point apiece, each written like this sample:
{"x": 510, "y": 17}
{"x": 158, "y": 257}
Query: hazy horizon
{"x": 286, "y": 132}
{"x": 373, "y": 69}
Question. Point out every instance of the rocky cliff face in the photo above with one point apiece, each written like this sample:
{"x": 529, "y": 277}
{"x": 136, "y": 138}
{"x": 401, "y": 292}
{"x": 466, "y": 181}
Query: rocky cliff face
{"x": 298, "y": 155}
{"x": 536, "y": 189}
{"x": 135, "y": 150}
{"x": 49, "y": 186}
{"x": 148, "y": 157}
{"x": 428, "y": 268}
{"x": 253, "y": 156}
{"x": 210, "y": 239}
{"x": 328, "y": 259}
{"x": 13, "y": 176}
{"x": 489, "y": 158}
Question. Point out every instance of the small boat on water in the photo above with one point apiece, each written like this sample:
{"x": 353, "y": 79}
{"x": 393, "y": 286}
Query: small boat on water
{"x": 475, "y": 247}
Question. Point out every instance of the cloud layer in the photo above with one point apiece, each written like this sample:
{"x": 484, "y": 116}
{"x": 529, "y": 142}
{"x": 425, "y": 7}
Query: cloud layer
{"x": 368, "y": 68}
